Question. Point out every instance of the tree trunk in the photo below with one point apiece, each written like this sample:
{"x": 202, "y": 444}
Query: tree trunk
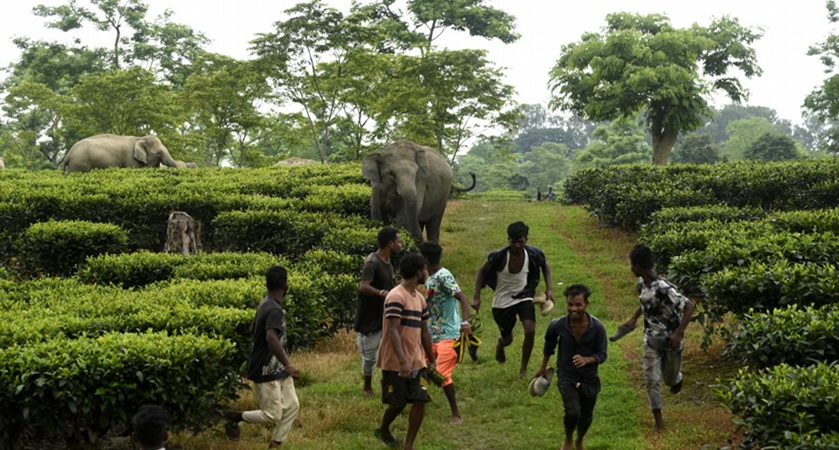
{"x": 663, "y": 141}
{"x": 183, "y": 234}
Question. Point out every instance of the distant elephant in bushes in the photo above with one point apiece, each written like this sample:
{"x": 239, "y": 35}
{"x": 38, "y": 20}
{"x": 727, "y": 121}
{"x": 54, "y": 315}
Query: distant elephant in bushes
{"x": 2, "y": 163}
{"x": 108, "y": 150}
{"x": 411, "y": 185}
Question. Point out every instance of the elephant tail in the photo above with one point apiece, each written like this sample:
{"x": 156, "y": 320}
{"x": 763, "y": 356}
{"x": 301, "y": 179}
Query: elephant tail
{"x": 474, "y": 182}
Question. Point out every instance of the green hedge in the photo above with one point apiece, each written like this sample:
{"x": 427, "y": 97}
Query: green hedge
{"x": 59, "y": 247}
{"x": 679, "y": 218}
{"x": 792, "y": 335}
{"x": 785, "y": 405}
{"x": 79, "y": 389}
{"x": 627, "y": 195}
{"x": 690, "y": 269}
{"x": 139, "y": 269}
{"x": 764, "y": 286}
{"x": 289, "y": 233}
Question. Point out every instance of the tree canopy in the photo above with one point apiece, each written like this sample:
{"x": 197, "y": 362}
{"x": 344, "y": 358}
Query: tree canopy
{"x": 643, "y": 64}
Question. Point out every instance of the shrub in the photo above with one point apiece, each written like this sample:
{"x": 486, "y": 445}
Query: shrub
{"x": 773, "y": 403}
{"x": 95, "y": 384}
{"x": 59, "y": 247}
{"x": 226, "y": 265}
{"x": 764, "y": 286}
{"x": 130, "y": 270}
{"x": 331, "y": 262}
{"x": 792, "y": 335}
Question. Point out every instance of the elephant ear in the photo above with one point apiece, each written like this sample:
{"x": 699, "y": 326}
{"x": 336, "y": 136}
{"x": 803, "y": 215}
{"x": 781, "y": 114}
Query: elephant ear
{"x": 140, "y": 151}
{"x": 422, "y": 163}
{"x": 370, "y": 168}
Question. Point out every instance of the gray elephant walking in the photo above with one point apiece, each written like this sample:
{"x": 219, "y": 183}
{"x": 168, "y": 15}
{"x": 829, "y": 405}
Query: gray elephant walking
{"x": 411, "y": 185}
{"x": 108, "y": 150}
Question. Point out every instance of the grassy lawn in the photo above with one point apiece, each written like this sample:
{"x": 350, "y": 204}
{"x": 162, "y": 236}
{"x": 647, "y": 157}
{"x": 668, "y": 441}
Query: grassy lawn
{"x": 497, "y": 411}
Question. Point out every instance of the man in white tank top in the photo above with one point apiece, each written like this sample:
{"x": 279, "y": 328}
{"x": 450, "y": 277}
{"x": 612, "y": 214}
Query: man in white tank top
{"x": 513, "y": 273}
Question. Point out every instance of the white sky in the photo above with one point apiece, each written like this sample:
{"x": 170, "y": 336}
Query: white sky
{"x": 545, "y": 25}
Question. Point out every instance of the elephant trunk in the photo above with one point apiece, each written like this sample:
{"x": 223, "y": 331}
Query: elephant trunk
{"x": 167, "y": 160}
{"x": 409, "y": 212}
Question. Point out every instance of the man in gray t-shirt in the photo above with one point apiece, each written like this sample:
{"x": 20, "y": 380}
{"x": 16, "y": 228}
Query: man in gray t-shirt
{"x": 377, "y": 279}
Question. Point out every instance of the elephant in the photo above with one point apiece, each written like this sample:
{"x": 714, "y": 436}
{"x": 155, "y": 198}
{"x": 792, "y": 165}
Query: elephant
{"x": 108, "y": 150}
{"x": 2, "y": 163}
{"x": 411, "y": 185}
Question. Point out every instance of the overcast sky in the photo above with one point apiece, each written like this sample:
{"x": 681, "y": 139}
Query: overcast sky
{"x": 545, "y": 25}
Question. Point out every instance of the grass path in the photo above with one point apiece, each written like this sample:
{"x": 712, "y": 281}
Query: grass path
{"x": 497, "y": 412}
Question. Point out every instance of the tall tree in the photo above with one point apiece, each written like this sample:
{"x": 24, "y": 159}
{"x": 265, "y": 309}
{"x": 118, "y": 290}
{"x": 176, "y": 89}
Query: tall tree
{"x": 741, "y": 133}
{"x": 772, "y": 147}
{"x": 224, "y": 96}
{"x": 823, "y": 103}
{"x": 696, "y": 148}
{"x": 642, "y": 63}
{"x": 619, "y": 142}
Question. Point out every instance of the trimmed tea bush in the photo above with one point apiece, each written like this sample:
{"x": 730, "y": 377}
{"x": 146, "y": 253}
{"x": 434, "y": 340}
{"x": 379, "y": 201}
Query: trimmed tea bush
{"x": 773, "y": 402}
{"x": 59, "y": 247}
{"x": 792, "y": 335}
{"x": 130, "y": 270}
{"x": 79, "y": 389}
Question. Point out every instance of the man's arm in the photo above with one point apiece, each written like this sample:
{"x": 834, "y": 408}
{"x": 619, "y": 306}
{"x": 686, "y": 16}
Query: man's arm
{"x": 678, "y": 335}
{"x": 425, "y": 338}
{"x": 394, "y": 326}
{"x": 634, "y": 319}
{"x": 549, "y": 284}
{"x": 479, "y": 284}
{"x": 273, "y": 339}
{"x": 365, "y": 287}
{"x": 465, "y": 327}
{"x": 551, "y": 340}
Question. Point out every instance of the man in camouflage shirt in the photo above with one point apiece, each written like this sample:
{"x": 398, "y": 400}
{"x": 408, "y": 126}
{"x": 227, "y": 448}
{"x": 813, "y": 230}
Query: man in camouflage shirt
{"x": 666, "y": 315}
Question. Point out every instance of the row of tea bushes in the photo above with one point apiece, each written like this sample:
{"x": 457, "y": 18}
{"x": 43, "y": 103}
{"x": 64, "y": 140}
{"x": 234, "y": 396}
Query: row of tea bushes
{"x": 680, "y": 235}
{"x": 141, "y": 201}
{"x": 131, "y": 270}
{"x": 793, "y": 335}
{"x": 786, "y": 406}
{"x": 627, "y": 196}
{"x": 691, "y": 269}
{"x": 58, "y": 248}
{"x": 79, "y": 389}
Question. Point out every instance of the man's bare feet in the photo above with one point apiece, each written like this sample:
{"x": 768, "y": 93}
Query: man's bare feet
{"x": 369, "y": 393}
{"x": 457, "y": 420}
{"x": 523, "y": 374}
{"x": 566, "y": 445}
{"x": 578, "y": 445}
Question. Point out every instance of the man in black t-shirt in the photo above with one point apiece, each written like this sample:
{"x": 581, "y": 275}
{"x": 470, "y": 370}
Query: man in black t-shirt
{"x": 269, "y": 367}
{"x": 377, "y": 279}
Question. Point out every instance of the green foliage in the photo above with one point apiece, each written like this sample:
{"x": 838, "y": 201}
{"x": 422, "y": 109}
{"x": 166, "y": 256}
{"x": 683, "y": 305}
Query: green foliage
{"x": 793, "y": 335}
{"x": 785, "y": 407}
{"x": 696, "y": 148}
{"x": 95, "y": 384}
{"x": 139, "y": 269}
{"x": 641, "y": 63}
{"x": 763, "y": 286}
{"x": 620, "y": 142}
{"x": 742, "y": 133}
{"x": 59, "y": 247}
{"x": 772, "y": 147}
{"x": 627, "y": 195}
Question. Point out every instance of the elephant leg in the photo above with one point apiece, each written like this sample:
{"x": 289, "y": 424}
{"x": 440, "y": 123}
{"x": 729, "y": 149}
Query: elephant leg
{"x": 432, "y": 228}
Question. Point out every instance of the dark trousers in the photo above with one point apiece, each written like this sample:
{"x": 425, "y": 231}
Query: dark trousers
{"x": 579, "y": 410}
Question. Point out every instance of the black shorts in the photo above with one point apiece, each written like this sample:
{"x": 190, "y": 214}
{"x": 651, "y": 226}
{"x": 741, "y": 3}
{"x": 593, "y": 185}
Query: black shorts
{"x": 506, "y": 317}
{"x": 397, "y": 390}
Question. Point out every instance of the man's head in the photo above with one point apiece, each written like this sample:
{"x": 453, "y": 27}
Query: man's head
{"x": 389, "y": 238}
{"x": 276, "y": 279}
{"x": 432, "y": 251}
{"x": 576, "y": 299}
{"x": 641, "y": 259}
{"x": 150, "y": 424}
{"x": 517, "y": 234}
{"x": 413, "y": 266}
